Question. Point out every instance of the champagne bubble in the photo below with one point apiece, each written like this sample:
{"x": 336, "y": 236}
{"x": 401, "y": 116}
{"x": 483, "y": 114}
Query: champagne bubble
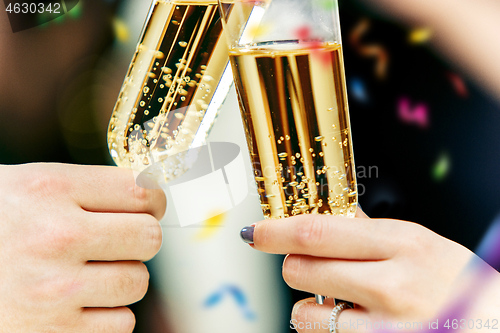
{"x": 282, "y": 155}
{"x": 137, "y": 127}
{"x": 179, "y": 115}
{"x": 160, "y": 100}
{"x": 260, "y": 179}
{"x": 142, "y": 104}
{"x": 331, "y": 109}
{"x": 152, "y": 75}
{"x": 183, "y": 44}
{"x": 319, "y": 138}
{"x": 146, "y": 90}
{"x": 146, "y": 112}
{"x": 159, "y": 55}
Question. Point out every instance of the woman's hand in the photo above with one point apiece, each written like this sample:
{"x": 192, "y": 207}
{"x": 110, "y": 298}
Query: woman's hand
{"x": 392, "y": 270}
{"x": 72, "y": 239}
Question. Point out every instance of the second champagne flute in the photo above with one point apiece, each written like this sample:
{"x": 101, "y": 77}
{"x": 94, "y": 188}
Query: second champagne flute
{"x": 287, "y": 63}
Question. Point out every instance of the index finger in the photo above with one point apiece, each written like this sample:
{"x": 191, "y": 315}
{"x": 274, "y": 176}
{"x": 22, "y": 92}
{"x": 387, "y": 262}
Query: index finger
{"x": 329, "y": 236}
{"x": 114, "y": 190}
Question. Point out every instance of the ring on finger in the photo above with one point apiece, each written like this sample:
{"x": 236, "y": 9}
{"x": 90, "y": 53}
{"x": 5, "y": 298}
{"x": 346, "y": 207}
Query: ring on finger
{"x": 334, "y": 317}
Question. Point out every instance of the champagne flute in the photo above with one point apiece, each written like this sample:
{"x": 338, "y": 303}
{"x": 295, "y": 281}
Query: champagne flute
{"x": 176, "y": 82}
{"x": 287, "y": 63}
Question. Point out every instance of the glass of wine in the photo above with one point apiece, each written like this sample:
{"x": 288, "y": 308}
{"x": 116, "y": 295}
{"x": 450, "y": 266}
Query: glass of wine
{"x": 287, "y": 64}
{"x": 176, "y": 82}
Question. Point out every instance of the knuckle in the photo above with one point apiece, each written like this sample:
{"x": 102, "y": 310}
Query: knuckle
{"x": 161, "y": 201}
{"x": 124, "y": 283}
{"x": 60, "y": 240}
{"x": 291, "y": 270}
{"x": 154, "y": 238}
{"x": 42, "y": 182}
{"x": 133, "y": 282}
{"x": 309, "y": 233}
{"x": 127, "y": 321}
{"x": 143, "y": 283}
{"x": 142, "y": 198}
{"x": 417, "y": 238}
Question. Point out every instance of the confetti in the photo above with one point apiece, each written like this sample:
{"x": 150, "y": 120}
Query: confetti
{"x": 237, "y": 294}
{"x": 441, "y": 168}
{"x": 418, "y": 115}
{"x": 304, "y": 33}
{"x": 211, "y": 226}
{"x": 459, "y": 85}
{"x": 420, "y": 35}
{"x": 325, "y": 4}
{"x": 375, "y": 51}
{"x": 489, "y": 248}
{"x": 122, "y": 32}
{"x": 259, "y": 30}
{"x": 357, "y": 89}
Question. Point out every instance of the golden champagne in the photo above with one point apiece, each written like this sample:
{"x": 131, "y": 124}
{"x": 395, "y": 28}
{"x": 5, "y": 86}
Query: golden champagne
{"x": 170, "y": 84}
{"x": 294, "y": 103}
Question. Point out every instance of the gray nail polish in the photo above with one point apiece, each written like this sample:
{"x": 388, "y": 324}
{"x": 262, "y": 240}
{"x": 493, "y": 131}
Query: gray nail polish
{"x": 247, "y": 234}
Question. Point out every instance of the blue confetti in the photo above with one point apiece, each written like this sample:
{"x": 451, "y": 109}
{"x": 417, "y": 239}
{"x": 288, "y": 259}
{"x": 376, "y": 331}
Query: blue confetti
{"x": 489, "y": 248}
{"x": 237, "y": 294}
{"x": 357, "y": 89}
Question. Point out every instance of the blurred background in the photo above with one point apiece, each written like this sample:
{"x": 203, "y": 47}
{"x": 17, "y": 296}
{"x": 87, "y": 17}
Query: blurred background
{"x": 424, "y": 123}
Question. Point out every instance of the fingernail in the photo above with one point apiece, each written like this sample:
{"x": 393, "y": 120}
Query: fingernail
{"x": 300, "y": 304}
{"x": 247, "y": 234}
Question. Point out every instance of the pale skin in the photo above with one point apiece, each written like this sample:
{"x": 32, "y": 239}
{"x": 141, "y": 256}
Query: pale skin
{"x": 392, "y": 270}
{"x": 72, "y": 244}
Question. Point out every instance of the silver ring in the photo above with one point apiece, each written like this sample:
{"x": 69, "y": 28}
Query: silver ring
{"x": 334, "y": 317}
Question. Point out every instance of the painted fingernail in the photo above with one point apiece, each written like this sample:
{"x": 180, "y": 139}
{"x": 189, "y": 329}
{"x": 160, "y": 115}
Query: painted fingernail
{"x": 247, "y": 234}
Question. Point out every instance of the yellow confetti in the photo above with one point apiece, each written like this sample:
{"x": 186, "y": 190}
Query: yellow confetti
{"x": 259, "y": 30}
{"x": 211, "y": 226}
{"x": 420, "y": 35}
{"x": 122, "y": 32}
